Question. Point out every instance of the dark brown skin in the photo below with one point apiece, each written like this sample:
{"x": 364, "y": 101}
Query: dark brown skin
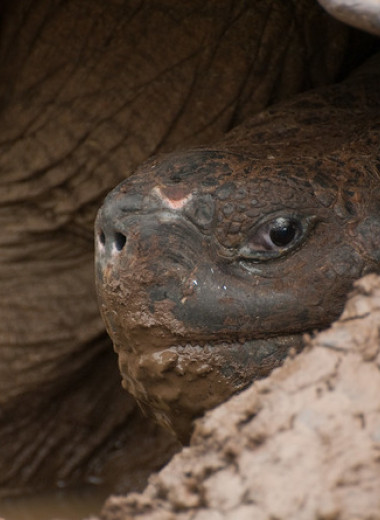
{"x": 211, "y": 263}
{"x": 89, "y": 90}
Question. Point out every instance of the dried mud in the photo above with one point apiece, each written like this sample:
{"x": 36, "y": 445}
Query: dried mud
{"x": 302, "y": 444}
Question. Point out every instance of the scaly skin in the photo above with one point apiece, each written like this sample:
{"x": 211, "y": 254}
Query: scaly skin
{"x": 213, "y": 262}
{"x": 88, "y": 91}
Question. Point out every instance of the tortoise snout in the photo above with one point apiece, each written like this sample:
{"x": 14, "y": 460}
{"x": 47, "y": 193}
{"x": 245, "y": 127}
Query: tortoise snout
{"x": 113, "y": 222}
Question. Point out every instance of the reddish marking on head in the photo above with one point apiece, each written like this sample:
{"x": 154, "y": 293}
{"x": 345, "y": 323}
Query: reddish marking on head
{"x": 173, "y": 196}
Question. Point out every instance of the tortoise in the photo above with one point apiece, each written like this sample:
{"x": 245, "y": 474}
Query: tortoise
{"x": 213, "y": 262}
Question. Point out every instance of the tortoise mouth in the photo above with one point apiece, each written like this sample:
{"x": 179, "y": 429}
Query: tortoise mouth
{"x": 263, "y": 353}
{"x": 180, "y": 382}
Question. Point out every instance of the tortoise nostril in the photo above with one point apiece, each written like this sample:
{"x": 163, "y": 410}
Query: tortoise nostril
{"x": 102, "y": 238}
{"x": 120, "y": 240}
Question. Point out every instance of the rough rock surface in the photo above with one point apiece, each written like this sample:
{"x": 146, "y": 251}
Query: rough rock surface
{"x": 302, "y": 444}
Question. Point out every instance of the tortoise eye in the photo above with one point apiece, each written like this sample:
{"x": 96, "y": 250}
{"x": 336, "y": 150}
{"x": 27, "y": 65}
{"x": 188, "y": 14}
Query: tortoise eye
{"x": 275, "y": 237}
{"x": 284, "y": 230}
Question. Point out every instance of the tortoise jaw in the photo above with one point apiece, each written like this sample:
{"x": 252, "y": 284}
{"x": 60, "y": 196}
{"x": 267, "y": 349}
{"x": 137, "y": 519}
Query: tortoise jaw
{"x": 180, "y": 382}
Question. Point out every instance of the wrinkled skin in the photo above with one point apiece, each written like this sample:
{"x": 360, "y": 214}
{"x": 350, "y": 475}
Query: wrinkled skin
{"x": 88, "y": 91}
{"x": 212, "y": 262}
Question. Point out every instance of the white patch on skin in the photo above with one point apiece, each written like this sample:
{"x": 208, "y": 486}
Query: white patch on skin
{"x": 172, "y": 204}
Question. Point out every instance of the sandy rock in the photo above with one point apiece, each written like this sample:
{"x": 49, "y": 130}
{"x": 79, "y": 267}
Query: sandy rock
{"x": 302, "y": 444}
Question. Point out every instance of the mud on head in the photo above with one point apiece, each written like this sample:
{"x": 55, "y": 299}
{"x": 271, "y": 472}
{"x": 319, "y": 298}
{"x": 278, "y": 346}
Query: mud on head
{"x": 212, "y": 264}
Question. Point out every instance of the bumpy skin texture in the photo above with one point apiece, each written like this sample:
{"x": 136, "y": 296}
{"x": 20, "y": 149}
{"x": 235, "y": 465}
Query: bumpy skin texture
{"x": 88, "y": 91}
{"x": 198, "y": 299}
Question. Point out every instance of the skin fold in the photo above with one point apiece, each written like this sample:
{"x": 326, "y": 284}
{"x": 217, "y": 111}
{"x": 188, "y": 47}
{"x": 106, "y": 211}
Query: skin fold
{"x": 90, "y": 90}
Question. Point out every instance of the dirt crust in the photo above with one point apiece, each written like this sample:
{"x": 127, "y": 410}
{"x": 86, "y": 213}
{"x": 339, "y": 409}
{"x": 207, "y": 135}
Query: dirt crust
{"x": 302, "y": 444}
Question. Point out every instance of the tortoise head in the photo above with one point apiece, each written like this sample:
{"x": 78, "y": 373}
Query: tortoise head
{"x": 210, "y": 266}
{"x": 212, "y": 263}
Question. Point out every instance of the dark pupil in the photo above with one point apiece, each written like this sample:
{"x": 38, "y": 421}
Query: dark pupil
{"x": 283, "y": 233}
